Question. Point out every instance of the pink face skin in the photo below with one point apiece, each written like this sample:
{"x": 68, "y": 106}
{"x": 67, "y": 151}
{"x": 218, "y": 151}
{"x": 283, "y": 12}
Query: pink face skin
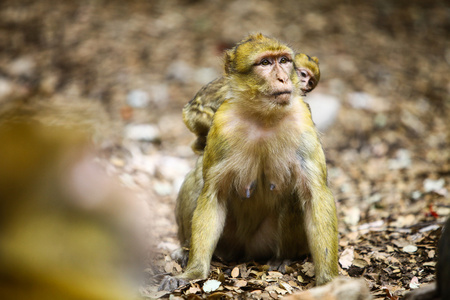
{"x": 307, "y": 80}
{"x": 275, "y": 69}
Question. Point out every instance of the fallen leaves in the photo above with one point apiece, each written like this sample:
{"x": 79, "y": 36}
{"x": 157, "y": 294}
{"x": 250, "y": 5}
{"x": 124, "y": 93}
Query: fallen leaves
{"x": 346, "y": 258}
{"x": 235, "y": 272}
{"x": 211, "y": 285}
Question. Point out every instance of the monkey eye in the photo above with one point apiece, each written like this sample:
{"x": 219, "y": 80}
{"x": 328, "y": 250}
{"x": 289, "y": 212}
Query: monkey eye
{"x": 264, "y": 62}
{"x": 284, "y": 60}
{"x": 304, "y": 74}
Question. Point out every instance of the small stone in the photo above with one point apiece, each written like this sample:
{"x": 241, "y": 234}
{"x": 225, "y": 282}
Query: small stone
{"x": 142, "y": 132}
{"x": 410, "y": 249}
{"x": 138, "y": 98}
{"x": 430, "y": 185}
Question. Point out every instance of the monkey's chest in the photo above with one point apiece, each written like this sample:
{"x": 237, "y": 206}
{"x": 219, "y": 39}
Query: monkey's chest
{"x": 263, "y": 168}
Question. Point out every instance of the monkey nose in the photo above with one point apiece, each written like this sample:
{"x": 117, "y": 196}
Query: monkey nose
{"x": 282, "y": 79}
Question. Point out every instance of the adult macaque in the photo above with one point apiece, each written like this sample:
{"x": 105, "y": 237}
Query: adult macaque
{"x": 199, "y": 112}
{"x": 259, "y": 192}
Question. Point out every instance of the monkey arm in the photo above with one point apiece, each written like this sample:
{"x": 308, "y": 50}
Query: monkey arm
{"x": 322, "y": 234}
{"x": 320, "y": 211}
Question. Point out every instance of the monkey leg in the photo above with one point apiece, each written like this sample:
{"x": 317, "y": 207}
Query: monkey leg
{"x": 202, "y": 235}
{"x": 293, "y": 243}
{"x": 207, "y": 226}
{"x": 184, "y": 211}
{"x": 187, "y": 201}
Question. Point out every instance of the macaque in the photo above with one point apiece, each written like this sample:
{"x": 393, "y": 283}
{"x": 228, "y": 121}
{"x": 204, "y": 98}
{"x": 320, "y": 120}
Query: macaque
{"x": 199, "y": 112}
{"x": 259, "y": 192}
{"x": 307, "y": 69}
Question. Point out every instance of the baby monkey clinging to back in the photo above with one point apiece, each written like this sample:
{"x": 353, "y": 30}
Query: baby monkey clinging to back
{"x": 199, "y": 112}
{"x": 259, "y": 191}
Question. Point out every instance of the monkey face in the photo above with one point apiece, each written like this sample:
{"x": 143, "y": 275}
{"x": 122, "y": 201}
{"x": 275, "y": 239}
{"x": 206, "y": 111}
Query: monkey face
{"x": 275, "y": 69}
{"x": 307, "y": 80}
{"x": 308, "y": 72}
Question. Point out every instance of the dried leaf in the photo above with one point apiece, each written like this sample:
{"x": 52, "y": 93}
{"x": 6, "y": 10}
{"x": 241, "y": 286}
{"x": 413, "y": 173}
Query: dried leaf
{"x": 221, "y": 277}
{"x": 293, "y": 283}
{"x": 360, "y": 263}
{"x": 235, "y": 272}
{"x": 193, "y": 290}
{"x": 169, "y": 267}
{"x": 177, "y": 266}
{"x": 240, "y": 283}
{"x": 388, "y": 294}
{"x": 289, "y": 270}
{"x": 352, "y": 216}
{"x": 389, "y": 248}
{"x": 219, "y": 296}
{"x": 211, "y": 285}
{"x": 414, "y": 283}
{"x": 308, "y": 269}
{"x": 286, "y": 286}
{"x": 346, "y": 258}
{"x": 270, "y": 288}
{"x": 275, "y": 274}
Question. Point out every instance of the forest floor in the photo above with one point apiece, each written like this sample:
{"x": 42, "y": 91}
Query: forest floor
{"x": 385, "y": 63}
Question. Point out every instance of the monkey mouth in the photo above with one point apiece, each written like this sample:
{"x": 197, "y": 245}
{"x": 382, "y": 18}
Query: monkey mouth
{"x": 281, "y": 93}
{"x": 282, "y": 97}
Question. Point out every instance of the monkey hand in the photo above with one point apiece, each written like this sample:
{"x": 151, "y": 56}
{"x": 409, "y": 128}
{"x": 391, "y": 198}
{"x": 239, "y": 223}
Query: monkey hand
{"x": 170, "y": 283}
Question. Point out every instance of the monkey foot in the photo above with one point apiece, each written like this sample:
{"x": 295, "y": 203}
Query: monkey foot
{"x": 181, "y": 256}
{"x": 279, "y": 265}
{"x": 249, "y": 189}
{"x": 170, "y": 283}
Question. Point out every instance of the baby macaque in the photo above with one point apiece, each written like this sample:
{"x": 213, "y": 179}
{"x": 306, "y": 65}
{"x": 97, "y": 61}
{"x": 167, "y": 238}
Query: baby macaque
{"x": 199, "y": 112}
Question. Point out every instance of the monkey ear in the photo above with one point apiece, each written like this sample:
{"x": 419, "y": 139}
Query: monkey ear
{"x": 228, "y": 61}
{"x": 315, "y": 59}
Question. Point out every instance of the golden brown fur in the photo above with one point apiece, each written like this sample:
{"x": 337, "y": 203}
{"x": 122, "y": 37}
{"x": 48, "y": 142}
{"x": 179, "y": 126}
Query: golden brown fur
{"x": 199, "y": 112}
{"x": 260, "y": 191}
